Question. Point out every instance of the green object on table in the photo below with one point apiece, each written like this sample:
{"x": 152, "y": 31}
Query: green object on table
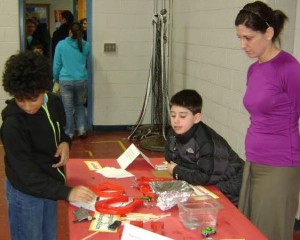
{"x": 208, "y": 230}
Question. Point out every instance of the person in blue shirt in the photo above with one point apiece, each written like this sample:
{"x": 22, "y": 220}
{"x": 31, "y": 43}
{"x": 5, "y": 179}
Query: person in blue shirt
{"x": 69, "y": 68}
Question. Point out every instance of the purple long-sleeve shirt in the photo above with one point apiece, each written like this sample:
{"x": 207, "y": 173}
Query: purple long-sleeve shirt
{"x": 273, "y": 100}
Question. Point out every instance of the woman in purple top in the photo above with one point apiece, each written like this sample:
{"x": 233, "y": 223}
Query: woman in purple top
{"x": 271, "y": 181}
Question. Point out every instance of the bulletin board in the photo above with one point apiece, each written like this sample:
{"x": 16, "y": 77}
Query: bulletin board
{"x": 42, "y": 10}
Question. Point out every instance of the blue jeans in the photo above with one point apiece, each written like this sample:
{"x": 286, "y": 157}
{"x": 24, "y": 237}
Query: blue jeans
{"x": 30, "y": 218}
{"x": 73, "y": 95}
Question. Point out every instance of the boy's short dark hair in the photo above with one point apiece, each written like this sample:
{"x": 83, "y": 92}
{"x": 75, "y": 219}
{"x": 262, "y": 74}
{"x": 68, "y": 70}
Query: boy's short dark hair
{"x": 189, "y": 99}
{"x": 26, "y": 75}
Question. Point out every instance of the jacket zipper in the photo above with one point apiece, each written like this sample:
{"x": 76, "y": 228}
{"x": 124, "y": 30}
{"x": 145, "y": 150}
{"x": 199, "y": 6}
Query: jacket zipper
{"x": 45, "y": 107}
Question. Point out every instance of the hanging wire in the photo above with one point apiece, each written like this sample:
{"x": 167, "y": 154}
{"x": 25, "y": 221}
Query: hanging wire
{"x": 157, "y": 87}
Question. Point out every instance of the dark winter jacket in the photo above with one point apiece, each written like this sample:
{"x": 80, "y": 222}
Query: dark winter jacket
{"x": 30, "y": 142}
{"x": 43, "y": 36}
{"x": 203, "y": 157}
{"x": 60, "y": 34}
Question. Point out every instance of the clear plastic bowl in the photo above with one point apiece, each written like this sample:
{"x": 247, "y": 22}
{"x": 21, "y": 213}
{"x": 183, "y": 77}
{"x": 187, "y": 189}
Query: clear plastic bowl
{"x": 198, "y": 211}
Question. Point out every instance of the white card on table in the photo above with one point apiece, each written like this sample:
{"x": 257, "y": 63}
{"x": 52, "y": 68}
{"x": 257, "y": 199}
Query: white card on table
{"x": 130, "y": 154}
{"x": 131, "y": 232}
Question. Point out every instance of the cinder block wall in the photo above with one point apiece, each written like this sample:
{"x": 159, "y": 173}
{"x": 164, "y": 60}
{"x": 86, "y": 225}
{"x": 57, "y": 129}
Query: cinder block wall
{"x": 120, "y": 77}
{"x": 9, "y": 37}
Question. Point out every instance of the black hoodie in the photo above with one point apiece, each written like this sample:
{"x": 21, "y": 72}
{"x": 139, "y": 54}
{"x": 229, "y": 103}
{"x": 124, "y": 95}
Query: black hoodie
{"x": 30, "y": 142}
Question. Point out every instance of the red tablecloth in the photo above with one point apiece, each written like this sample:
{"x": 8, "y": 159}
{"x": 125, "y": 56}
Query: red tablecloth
{"x": 231, "y": 224}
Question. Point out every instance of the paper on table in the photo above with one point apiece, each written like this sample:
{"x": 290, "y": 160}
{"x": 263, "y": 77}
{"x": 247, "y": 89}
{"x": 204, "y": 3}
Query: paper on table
{"x": 89, "y": 206}
{"x": 200, "y": 190}
{"x": 93, "y": 165}
{"x": 131, "y": 232}
{"x": 130, "y": 155}
{"x": 102, "y": 221}
{"x": 111, "y": 172}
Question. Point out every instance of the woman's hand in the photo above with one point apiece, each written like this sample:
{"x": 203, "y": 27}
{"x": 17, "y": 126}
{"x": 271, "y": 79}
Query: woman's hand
{"x": 63, "y": 152}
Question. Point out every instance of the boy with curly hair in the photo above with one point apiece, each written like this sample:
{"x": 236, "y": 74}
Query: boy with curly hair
{"x": 36, "y": 149}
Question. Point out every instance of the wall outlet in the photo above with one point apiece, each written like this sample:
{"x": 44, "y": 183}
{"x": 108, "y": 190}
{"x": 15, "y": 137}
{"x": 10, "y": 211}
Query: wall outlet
{"x": 110, "y": 47}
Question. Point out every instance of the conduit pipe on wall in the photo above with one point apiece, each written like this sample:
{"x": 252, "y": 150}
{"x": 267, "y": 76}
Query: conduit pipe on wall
{"x": 153, "y": 137}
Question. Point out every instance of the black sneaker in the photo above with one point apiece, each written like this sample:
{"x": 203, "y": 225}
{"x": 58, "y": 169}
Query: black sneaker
{"x": 82, "y": 135}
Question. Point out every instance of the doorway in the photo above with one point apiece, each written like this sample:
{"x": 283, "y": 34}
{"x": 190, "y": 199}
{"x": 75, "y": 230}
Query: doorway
{"x": 81, "y": 9}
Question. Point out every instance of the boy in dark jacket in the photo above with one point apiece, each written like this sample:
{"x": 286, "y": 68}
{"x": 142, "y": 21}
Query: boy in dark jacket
{"x": 196, "y": 153}
{"x": 36, "y": 149}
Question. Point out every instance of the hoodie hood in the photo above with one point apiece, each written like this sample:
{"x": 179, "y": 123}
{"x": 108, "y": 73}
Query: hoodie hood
{"x": 12, "y": 109}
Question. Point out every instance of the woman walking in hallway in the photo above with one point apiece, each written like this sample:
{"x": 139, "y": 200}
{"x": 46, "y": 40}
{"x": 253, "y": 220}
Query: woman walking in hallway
{"x": 69, "y": 68}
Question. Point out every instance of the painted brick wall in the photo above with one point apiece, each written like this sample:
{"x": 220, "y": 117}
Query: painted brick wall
{"x": 9, "y": 37}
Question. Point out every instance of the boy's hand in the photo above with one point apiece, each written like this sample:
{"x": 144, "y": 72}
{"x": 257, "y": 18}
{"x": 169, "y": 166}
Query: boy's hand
{"x": 62, "y": 151}
{"x": 171, "y": 166}
{"x": 81, "y": 194}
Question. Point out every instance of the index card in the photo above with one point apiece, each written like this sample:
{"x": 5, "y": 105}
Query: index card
{"x": 130, "y": 154}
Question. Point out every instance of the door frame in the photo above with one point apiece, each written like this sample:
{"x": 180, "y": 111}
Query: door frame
{"x": 90, "y": 62}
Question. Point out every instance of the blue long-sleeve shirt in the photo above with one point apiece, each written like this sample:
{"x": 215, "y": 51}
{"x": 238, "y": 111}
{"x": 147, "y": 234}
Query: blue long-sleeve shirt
{"x": 273, "y": 100}
{"x": 69, "y": 63}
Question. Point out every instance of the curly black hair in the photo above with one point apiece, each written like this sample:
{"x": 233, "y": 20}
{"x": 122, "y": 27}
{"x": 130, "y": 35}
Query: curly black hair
{"x": 26, "y": 75}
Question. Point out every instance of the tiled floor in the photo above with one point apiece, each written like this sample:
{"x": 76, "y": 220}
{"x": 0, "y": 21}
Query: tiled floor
{"x": 96, "y": 145}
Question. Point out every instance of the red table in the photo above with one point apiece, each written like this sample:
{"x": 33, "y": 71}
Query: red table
{"x": 231, "y": 224}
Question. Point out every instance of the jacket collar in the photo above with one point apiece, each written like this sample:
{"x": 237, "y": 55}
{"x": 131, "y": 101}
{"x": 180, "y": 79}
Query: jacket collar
{"x": 183, "y": 138}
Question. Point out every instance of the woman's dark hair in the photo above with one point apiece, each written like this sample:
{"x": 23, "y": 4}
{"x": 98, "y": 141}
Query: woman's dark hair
{"x": 77, "y": 32}
{"x": 189, "y": 99}
{"x": 83, "y": 20}
{"x": 258, "y": 16}
{"x": 26, "y": 75}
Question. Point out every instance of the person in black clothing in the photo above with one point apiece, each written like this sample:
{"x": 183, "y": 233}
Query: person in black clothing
{"x": 196, "y": 153}
{"x": 42, "y": 35}
{"x": 30, "y": 28}
{"x": 36, "y": 149}
{"x": 62, "y": 32}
